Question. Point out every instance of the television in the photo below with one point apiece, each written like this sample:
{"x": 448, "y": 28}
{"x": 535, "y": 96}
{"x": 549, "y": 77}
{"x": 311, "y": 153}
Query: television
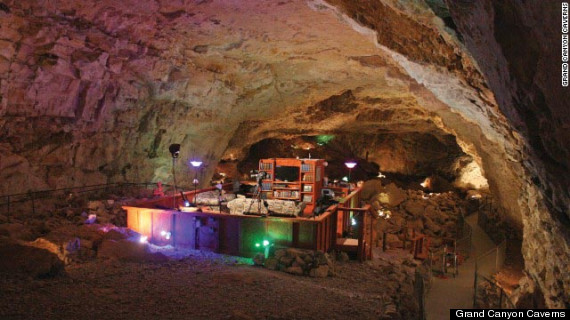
{"x": 286, "y": 173}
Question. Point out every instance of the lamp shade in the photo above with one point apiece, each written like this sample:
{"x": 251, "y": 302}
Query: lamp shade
{"x": 350, "y": 164}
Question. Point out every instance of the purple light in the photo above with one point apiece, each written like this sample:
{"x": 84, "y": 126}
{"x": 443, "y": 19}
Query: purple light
{"x": 196, "y": 164}
{"x": 350, "y": 164}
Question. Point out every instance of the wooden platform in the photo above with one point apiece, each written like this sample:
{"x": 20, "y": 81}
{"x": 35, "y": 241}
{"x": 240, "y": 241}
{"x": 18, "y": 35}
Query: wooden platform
{"x": 238, "y": 234}
{"x": 228, "y": 233}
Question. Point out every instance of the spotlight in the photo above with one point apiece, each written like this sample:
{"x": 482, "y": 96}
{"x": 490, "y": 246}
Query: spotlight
{"x": 143, "y": 239}
{"x": 174, "y": 150}
{"x": 165, "y": 234}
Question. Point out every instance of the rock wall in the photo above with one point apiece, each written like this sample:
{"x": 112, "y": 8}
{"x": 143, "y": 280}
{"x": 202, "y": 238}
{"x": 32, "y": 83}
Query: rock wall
{"x": 96, "y": 91}
{"x": 517, "y": 45}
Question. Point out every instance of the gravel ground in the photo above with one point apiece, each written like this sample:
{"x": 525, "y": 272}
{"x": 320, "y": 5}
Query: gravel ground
{"x": 209, "y": 286}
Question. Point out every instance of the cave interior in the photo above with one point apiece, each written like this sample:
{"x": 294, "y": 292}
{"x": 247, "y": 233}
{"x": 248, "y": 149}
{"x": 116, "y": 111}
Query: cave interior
{"x": 450, "y": 109}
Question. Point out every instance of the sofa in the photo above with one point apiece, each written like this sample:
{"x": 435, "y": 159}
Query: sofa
{"x": 278, "y": 207}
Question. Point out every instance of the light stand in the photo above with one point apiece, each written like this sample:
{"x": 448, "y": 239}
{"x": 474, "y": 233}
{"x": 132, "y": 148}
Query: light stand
{"x": 175, "y": 152}
{"x": 196, "y": 165}
{"x": 350, "y": 165}
{"x": 220, "y": 187}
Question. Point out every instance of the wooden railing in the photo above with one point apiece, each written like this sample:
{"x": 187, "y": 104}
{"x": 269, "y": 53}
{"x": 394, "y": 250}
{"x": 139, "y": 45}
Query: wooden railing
{"x": 348, "y": 209}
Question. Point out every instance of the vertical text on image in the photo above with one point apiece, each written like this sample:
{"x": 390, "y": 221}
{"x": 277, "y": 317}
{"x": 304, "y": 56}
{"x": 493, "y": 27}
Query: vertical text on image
{"x": 565, "y": 74}
{"x": 564, "y": 17}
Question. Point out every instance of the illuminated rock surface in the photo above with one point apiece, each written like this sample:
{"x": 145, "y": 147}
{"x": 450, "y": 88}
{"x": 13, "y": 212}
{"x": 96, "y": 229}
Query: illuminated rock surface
{"x": 95, "y": 91}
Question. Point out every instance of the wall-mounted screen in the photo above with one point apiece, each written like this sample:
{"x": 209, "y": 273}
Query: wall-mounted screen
{"x": 286, "y": 173}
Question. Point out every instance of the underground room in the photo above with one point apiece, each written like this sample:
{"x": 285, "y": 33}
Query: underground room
{"x": 297, "y": 159}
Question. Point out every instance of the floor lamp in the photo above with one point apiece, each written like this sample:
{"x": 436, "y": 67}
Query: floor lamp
{"x": 175, "y": 151}
{"x": 196, "y": 165}
{"x": 350, "y": 165}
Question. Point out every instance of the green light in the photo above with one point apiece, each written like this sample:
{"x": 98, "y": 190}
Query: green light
{"x": 257, "y": 245}
{"x": 265, "y": 243}
{"x": 324, "y": 139}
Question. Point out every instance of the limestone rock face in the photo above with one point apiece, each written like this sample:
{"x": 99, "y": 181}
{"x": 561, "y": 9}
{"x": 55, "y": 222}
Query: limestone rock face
{"x": 519, "y": 52}
{"x": 95, "y": 91}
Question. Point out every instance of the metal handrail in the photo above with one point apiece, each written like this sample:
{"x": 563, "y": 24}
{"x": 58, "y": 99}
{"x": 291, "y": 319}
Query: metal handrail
{"x": 8, "y": 200}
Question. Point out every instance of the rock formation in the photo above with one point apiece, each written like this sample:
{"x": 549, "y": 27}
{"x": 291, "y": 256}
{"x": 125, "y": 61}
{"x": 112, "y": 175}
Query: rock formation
{"x": 95, "y": 91}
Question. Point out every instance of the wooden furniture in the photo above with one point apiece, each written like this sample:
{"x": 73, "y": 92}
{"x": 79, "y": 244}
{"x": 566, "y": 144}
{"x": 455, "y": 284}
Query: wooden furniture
{"x": 282, "y": 182}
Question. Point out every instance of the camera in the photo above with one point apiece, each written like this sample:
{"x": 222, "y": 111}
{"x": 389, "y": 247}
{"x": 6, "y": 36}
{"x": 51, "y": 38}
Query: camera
{"x": 259, "y": 175}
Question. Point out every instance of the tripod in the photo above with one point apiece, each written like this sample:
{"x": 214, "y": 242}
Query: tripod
{"x": 257, "y": 198}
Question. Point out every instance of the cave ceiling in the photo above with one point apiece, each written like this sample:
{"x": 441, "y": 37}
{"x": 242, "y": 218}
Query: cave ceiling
{"x": 95, "y": 91}
{"x": 109, "y": 85}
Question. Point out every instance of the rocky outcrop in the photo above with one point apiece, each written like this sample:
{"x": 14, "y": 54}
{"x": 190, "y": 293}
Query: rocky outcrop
{"x": 315, "y": 264}
{"x": 28, "y": 261}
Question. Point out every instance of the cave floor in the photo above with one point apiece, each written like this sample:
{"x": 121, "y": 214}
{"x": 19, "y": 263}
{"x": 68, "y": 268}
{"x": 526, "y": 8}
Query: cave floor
{"x": 196, "y": 288}
{"x": 457, "y": 293}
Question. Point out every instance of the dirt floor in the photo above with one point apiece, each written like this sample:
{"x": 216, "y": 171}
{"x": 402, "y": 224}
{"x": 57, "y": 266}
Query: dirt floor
{"x": 205, "y": 286}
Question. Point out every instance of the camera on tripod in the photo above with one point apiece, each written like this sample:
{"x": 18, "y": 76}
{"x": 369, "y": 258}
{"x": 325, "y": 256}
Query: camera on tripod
{"x": 258, "y": 175}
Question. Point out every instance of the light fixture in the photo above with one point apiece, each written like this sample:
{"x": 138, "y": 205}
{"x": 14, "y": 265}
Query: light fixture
{"x": 165, "y": 234}
{"x": 266, "y": 245}
{"x": 350, "y": 165}
{"x": 143, "y": 239}
{"x": 175, "y": 152}
{"x": 196, "y": 164}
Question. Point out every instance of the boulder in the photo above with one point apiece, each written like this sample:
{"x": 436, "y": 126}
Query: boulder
{"x": 392, "y": 196}
{"x": 415, "y": 207}
{"x": 432, "y": 226}
{"x": 319, "y": 272}
{"x": 370, "y": 189}
{"x": 271, "y": 263}
{"x": 31, "y": 261}
{"x": 259, "y": 259}
{"x": 295, "y": 270}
